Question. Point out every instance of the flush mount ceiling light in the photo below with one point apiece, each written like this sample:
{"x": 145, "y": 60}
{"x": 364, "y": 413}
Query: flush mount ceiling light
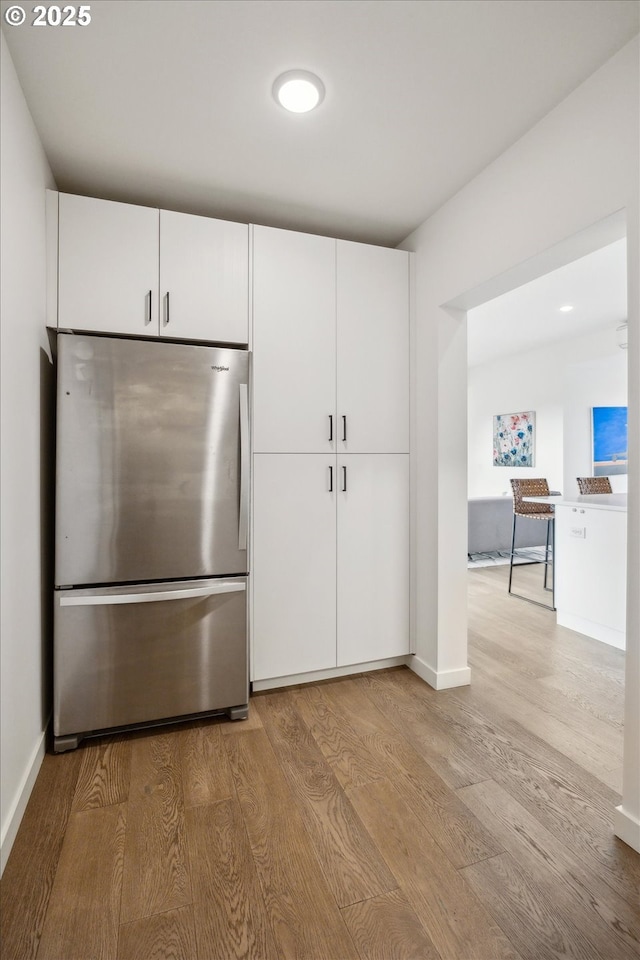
{"x": 298, "y": 91}
{"x": 566, "y": 309}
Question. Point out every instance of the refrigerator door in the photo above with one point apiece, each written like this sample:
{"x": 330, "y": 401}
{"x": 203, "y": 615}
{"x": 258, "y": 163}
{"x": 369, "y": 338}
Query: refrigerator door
{"x": 135, "y": 654}
{"x": 152, "y": 460}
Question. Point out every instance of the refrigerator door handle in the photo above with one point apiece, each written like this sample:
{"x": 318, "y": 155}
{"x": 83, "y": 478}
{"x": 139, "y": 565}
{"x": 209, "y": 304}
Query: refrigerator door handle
{"x": 98, "y": 600}
{"x": 244, "y": 468}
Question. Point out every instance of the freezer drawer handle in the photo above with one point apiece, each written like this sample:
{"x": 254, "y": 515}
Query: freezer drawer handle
{"x": 243, "y": 519}
{"x": 95, "y": 600}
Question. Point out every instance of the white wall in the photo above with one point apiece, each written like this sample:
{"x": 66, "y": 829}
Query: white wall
{"x": 577, "y": 166}
{"x": 25, "y": 411}
{"x": 560, "y": 382}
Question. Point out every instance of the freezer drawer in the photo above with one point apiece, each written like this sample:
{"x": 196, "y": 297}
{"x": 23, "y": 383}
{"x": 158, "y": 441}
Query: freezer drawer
{"x": 130, "y": 655}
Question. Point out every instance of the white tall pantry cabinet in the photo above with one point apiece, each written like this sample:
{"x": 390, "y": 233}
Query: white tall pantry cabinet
{"x": 331, "y": 444}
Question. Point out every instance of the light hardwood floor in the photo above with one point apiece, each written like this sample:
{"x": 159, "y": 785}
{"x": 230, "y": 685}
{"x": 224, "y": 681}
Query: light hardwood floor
{"x": 367, "y": 818}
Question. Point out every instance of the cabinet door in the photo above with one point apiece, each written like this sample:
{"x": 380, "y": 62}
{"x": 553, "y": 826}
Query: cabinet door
{"x": 108, "y": 266}
{"x": 373, "y": 348}
{"x": 373, "y": 557}
{"x": 294, "y": 564}
{"x": 293, "y": 342}
{"x": 204, "y": 278}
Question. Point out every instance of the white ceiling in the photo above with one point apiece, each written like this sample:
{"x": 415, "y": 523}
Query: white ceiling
{"x": 529, "y": 317}
{"x": 169, "y": 103}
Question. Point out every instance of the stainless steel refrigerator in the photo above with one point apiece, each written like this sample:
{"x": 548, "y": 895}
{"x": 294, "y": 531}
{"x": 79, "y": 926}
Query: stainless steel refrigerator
{"x": 152, "y": 494}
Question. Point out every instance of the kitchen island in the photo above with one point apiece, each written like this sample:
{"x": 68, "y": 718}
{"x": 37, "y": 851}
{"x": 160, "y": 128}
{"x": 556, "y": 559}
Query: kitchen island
{"x": 591, "y": 565}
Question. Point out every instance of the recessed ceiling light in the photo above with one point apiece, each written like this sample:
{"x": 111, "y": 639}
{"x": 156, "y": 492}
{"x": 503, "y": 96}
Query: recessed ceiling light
{"x": 298, "y": 91}
{"x": 566, "y": 309}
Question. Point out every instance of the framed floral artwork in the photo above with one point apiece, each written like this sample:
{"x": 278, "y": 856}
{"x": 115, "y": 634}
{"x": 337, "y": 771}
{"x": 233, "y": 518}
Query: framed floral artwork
{"x": 513, "y": 439}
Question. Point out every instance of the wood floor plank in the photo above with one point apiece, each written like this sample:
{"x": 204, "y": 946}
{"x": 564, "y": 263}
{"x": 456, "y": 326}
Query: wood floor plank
{"x": 530, "y": 664}
{"x": 104, "y": 773}
{"x": 304, "y": 917}
{"x": 536, "y": 925}
{"x": 165, "y": 936}
{"x": 230, "y": 917}
{"x": 206, "y": 777}
{"x": 430, "y": 882}
{"x": 156, "y": 865}
{"x": 461, "y": 836}
{"x": 606, "y": 704}
{"x": 589, "y": 904}
{"x": 538, "y": 692}
{"x": 341, "y": 747}
{"x": 83, "y": 914}
{"x": 31, "y": 868}
{"x": 458, "y": 764}
{"x": 497, "y": 615}
{"x": 566, "y": 799}
{"x": 387, "y": 928}
{"x": 579, "y": 736}
{"x": 351, "y": 864}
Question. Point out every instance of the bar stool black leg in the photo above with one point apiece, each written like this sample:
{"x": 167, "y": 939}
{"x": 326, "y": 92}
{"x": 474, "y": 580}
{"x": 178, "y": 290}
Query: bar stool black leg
{"x": 546, "y": 554}
{"x": 513, "y": 541}
{"x": 553, "y": 563}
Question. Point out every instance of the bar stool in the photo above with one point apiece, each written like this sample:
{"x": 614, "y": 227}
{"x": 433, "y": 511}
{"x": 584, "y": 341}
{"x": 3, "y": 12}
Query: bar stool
{"x": 594, "y": 485}
{"x": 533, "y": 487}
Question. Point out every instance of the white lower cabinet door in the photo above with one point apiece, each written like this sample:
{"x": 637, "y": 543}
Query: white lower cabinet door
{"x": 294, "y": 564}
{"x": 373, "y": 557}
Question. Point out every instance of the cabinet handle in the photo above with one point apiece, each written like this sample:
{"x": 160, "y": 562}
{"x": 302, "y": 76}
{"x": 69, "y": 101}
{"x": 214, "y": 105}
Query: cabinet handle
{"x": 167, "y": 316}
{"x": 344, "y": 429}
{"x": 149, "y": 314}
{"x": 344, "y": 479}
{"x": 330, "y": 479}
{"x": 330, "y": 427}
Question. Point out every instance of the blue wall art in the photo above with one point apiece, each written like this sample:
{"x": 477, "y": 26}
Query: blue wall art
{"x": 513, "y": 439}
{"x": 609, "y": 432}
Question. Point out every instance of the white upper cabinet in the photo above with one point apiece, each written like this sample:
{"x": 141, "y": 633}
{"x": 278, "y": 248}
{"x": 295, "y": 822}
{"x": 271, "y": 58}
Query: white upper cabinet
{"x": 108, "y": 266}
{"x": 204, "y": 278}
{"x": 294, "y": 342}
{"x": 372, "y": 349}
{"x": 137, "y": 270}
{"x": 331, "y": 345}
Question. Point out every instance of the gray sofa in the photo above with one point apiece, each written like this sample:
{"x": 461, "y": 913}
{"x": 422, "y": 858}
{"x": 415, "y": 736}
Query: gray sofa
{"x": 490, "y": 522}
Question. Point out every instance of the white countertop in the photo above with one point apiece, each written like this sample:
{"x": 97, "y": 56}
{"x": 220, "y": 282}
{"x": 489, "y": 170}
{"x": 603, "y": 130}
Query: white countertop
{"x": 599, "y": 501}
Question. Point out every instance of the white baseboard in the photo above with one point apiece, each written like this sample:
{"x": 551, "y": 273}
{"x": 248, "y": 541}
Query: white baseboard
{"x": 627, "y": 828}
{"x": 440, "y": 680}
{"x": 314, "y": 675}
{"x": 598, "y": 631}
{"x": 19, "y": 805}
